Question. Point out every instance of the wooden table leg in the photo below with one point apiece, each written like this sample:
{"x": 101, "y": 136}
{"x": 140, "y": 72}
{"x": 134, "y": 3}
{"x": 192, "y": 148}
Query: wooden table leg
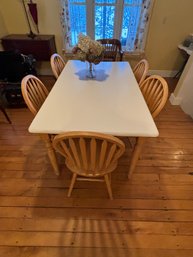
{"x": 51, "y": 153}
{"x": 135, "y": 155}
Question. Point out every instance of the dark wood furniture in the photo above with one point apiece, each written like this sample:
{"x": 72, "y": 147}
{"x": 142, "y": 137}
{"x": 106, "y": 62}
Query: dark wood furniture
{"x": 113, "y": 49}
{"x": 41, "y": 47}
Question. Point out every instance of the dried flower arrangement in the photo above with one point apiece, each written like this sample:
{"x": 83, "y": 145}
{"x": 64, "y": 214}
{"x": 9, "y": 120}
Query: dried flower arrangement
{"x": 88, "y": 49}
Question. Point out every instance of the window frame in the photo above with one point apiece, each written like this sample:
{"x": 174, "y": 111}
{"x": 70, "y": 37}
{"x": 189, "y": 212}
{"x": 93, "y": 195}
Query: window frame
{"x": 119, "y": 10}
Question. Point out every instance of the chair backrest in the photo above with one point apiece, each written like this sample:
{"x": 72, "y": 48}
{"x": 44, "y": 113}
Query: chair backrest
{"x": 57, "y": 64}
{"x": 88, "y": 153}
{"x": 113, "y": 49}
{"x": 155, "y": 92}
{"x": 34, "y": 92}
{"x": 140, "y": 70}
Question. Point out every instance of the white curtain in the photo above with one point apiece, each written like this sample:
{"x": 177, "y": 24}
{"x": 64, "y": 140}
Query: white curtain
{"x": 142, "y": 28}
{"x": 65, "y": 23}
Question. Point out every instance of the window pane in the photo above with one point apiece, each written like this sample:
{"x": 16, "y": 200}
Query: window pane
{"x": 77, "y": 21}
{"x": 133, "y": 2}
{"x": 104, "y": 21}
{"x": 105, "y": 1}
{"x": 77, "y": 1}
{"x": 130, "y": 23}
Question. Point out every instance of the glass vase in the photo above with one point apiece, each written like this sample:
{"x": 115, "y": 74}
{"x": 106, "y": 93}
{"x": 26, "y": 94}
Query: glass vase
{"x": 91, "y": 71}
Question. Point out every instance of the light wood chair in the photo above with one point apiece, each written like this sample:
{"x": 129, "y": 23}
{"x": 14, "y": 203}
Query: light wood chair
{"x": 57, "y": 64}
{"x": 155, "y": 92}
{"x": 90, "y": 156}
{"x": 34, "y": 92}
{"x": 140, "y": 70}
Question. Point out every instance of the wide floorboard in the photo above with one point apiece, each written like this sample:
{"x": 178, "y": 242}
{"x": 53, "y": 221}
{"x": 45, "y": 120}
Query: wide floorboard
{"x": 151, "y": 215}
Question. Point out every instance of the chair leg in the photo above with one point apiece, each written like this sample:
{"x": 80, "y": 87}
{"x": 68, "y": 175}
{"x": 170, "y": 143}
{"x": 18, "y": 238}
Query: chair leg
{"x": 72, "y": 184}
{"x": 135, "y": 155}
{"x": 109, "y": 176}
{"x": 108, "y": 186}
{"x": 131, "y": 146}
{"x": 6, "y": 116}
{"x": 51, "y": 152}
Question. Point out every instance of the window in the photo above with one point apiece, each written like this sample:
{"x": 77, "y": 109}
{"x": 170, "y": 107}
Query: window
{"x": 122, "y": 19}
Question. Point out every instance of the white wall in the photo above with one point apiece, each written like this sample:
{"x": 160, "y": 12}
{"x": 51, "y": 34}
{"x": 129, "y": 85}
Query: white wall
{"x": 183, "y": 93}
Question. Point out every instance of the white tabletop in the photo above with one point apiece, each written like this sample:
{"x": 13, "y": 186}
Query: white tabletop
{"x": 111, "y": 103}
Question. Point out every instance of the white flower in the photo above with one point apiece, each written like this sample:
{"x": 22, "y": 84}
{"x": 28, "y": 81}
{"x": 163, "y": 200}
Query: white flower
{"x": 88, "y": 49}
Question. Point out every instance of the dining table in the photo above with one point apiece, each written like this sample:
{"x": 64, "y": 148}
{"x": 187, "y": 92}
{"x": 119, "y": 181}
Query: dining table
{"x": 109, "y": 103}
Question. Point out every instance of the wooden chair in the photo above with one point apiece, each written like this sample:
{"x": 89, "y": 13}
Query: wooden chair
{"x": 140, "y": 70}
{"x": 57, "y": 64}
{"x": 34, "y": 92}
{"x": 113, "y": 49}
{"x": 89, "y": 155}
{"x": 155, "y": 92}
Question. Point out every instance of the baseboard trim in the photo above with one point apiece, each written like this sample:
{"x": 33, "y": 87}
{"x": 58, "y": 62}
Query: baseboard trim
{"x": 163, "y": 73}
{"x": 175, "y": 100}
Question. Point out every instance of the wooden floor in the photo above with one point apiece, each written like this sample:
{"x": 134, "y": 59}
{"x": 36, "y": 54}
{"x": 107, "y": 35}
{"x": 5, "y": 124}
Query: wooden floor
{"x": 151, "y": 215}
